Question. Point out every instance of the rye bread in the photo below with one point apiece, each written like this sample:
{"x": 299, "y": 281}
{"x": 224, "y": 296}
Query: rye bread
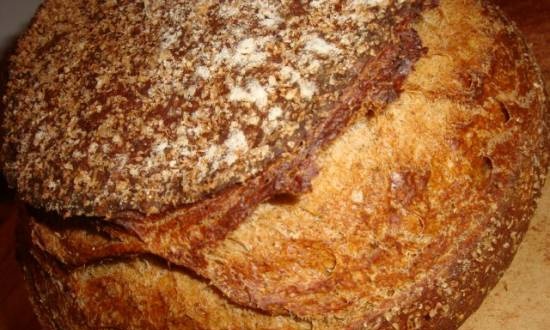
{"x": 414, "y": 215}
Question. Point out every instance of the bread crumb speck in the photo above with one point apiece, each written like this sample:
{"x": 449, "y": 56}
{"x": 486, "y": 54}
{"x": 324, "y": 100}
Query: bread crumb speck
{"x": 236, "y": 141}
{"x": 357, "y": 196}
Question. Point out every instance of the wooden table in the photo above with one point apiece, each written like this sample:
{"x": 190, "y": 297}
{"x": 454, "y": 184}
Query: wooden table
{"x": 521, "y": 300}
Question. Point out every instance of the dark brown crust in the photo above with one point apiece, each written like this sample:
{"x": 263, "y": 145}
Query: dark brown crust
{"x": 61, "y": 177}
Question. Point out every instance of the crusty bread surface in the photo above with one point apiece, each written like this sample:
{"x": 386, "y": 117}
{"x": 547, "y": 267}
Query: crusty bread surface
{"x": 169, "y": 171}
{"x": 413, "y": 216}
{"x": 129, "y": 109}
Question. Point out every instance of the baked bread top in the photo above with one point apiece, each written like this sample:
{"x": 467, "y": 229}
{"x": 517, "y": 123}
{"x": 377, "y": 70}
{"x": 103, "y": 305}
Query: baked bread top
{"x": 123, "y": 109}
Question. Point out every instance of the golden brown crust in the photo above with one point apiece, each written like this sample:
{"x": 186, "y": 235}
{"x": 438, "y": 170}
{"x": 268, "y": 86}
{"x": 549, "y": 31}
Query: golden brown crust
{"x": 128, "y": 109}
{"x": 413, "y": 217}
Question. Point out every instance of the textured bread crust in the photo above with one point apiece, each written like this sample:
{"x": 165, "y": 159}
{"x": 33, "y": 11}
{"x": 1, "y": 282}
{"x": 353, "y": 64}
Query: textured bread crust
{"x": 413, "y": 217}
{"x": 127, "y": 109}
{"x": 183, "y": 236}
{"x": 180, "y": 218}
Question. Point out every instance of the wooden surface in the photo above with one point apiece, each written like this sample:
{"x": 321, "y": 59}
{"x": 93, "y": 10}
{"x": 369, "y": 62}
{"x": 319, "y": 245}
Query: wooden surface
{"x": 521, "y": 300}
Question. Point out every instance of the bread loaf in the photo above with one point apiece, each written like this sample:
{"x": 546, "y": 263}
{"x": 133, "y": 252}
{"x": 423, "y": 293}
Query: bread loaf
{"x": 400, "y": 214}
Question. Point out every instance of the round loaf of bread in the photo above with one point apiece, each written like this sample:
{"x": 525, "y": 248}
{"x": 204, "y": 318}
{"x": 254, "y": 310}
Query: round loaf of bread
{"x": 412, "y": 215}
